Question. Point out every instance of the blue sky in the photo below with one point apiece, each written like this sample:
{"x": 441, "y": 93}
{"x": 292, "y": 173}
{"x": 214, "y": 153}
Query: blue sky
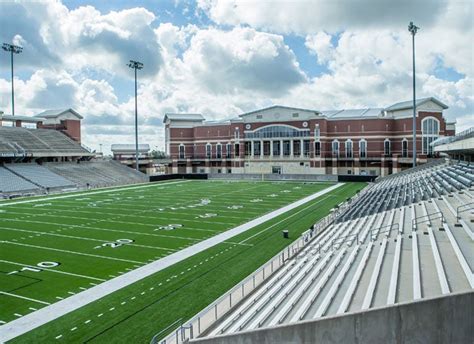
{"x": 222, "y": 58}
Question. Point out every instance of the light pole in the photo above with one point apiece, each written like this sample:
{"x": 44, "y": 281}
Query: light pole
{"x": 136, "y": 65}
{"x": 13, "y": 49}
{"x": 413, "y": 29}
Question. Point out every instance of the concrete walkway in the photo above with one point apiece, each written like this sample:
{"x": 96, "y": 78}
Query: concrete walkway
{"x": 42, "y": 316}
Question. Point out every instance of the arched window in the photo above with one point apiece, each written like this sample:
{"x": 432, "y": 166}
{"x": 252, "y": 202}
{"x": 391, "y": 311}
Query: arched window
{"x": 181, "y": 151}
{"x": 405, "y": 148}
{"x": 335, "y": 148}
{"x": 429, "y": 133}
{"x": 349, "y": 148}
{"x": 363, "y": 148}
{"x": 277, "y": 131}
{"x": 387, "y": 149}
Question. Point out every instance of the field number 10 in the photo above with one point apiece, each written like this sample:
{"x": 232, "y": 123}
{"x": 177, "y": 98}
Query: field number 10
{"x": 41, "y": 265}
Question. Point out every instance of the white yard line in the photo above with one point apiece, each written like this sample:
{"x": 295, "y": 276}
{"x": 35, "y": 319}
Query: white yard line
{"x": 71, "y": 252}
{"x": 89, "y": 193}
{"x": 24, "y": 297}
{"x": 44, "y": 315}
{"x": 55, "y": 271}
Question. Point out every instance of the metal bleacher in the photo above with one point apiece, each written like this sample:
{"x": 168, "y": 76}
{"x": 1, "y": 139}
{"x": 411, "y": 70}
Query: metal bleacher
{"x": 38, "y": 142}
{"x": 39, "y": 175}
{"x": 407, "y": 238}
{"x": 97, "y": 173}
{"x": 10, "y": 182}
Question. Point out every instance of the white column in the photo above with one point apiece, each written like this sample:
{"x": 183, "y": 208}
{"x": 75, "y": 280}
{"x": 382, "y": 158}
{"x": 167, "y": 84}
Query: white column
{"x": 251, "y": 149}
{"x": 261, "y": 148}
{"x": 281, "y": 148}
{"x": 301, "y": 148}
{"x": 291, "y": 148}
{"x": 271, "y": 148}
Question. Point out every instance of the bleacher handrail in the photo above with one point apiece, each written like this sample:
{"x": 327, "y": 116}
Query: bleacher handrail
{"x": 462, "y": 208}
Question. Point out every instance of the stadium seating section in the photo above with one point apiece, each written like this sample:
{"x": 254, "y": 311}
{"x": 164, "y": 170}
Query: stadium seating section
{"x": 36, "y": 179}
{"x": 23, "y": 141}
{"x": 410, "y": 236}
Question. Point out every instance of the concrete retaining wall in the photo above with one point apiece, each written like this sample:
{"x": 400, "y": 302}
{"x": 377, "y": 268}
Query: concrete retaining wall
{"x": 274, "y": 177}
{"x": 448, "y": 319}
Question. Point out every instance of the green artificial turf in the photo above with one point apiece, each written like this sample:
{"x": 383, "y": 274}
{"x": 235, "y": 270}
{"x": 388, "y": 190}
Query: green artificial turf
{"x": 72, "y": 231}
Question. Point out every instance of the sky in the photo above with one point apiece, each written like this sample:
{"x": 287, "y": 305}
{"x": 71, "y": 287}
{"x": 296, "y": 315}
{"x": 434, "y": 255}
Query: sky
{"x": 223, "y": 58}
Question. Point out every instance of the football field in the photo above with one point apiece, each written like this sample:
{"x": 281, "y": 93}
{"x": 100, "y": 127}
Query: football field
{"x": 55, "y": 247}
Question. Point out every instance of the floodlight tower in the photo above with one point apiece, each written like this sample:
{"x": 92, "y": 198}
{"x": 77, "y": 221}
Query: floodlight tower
{"x": 12, "y": 49}
{"x": 136, "y": 66}
{"x": 413, "y": 30}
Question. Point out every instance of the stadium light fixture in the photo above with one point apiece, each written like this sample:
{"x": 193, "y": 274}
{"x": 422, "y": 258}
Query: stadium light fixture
{"x": 12, "y": 49}
{"x": 413, "y": 30}
{"x": 135, "y": 65}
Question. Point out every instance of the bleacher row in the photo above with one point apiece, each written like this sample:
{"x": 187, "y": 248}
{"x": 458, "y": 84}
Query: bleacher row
{"x": 374, "y": 258}
{"x": 407, "y": 188}
{"x": 24, "y": 142}
{"x": 17, "y": 179}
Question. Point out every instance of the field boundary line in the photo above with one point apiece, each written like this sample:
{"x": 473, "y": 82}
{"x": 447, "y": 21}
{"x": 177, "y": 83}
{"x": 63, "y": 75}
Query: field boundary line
{"x": 42, "y": 316}
{"x": 24, "y": 297}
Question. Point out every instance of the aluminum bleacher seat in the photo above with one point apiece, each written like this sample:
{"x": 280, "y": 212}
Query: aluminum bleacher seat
{"x": 11, "y": 183}
{"x": 40, "y": 175}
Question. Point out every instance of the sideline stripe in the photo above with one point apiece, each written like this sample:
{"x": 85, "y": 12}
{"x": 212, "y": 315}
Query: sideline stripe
{"x": 31, "y": 321}
{"x": 24, "y": 297}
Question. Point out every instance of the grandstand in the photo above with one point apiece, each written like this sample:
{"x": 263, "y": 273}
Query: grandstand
{"x": 408, "y": 237}
{"x": 38, "y": 161}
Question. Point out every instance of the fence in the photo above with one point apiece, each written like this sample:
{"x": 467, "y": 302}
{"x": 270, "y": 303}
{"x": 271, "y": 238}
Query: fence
{"x": 214, "y": 312}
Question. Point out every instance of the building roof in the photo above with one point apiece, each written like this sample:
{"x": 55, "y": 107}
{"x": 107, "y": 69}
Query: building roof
{"x": 26, "y": 119}
{"x": 197, "y": 117}
{"x": 125, "y": 147}
{"x": 57, "y": 113}
{"x": 353, "y": 113}
{"x": 281, "y": 107}
{"x": 409, "y": 104}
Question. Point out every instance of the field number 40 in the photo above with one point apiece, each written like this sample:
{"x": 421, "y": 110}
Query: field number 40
{"x": 41, "y": 265}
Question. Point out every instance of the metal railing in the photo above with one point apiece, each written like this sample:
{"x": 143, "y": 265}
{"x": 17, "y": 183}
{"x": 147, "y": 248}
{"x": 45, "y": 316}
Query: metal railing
{"x": 427, "y": 218}
{"x": 463, "y": 208}
{"x": 383, "y": 229}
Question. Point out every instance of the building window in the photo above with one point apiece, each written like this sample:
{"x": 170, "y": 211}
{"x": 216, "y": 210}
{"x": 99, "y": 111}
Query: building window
{"x": 266, "y": 148}
{"x": 277, "y": 131}
{"x": 208, "y": 150}
{"x": 429, "y": 133}
{"x": 259, "y": 116}
{"x": 405, "y": 148}
{"x": 256, "y": 148}
{"x": 317, "y": 131}
{"x": 219, "y": 151}
{"x": 295, "y": 115}
{"x": 228, "y": 151}
{"x": 248, "y": 148}
{"x": 181, "y": 151}
{"x": 237, "y": 150}
{"x": 296, "y": 147}
{"x": 286, "y": 148}
{"x": 348, "y": 149}
{"x": 363, "y": 148}
{"x": 386, "y": 147}
{"x": 317, "y": 148}
{"x": 335, "y": 148}
{"x": 306, "y": 147}
{"x": 237, "y": 133}
{"x": 276, "y": 148}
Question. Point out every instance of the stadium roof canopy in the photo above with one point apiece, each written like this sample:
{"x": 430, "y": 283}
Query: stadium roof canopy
{"x": 353, "y": 113}
{"x": 184, "y": 117}
{"x": 409, "y": 104}
{"x": 125, "y": 147}
{"x": 25, "y": 119}
{"x": 57, "y": 113}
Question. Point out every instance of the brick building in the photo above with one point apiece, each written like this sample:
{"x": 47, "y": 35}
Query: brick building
{"x": 279, "y": 139}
